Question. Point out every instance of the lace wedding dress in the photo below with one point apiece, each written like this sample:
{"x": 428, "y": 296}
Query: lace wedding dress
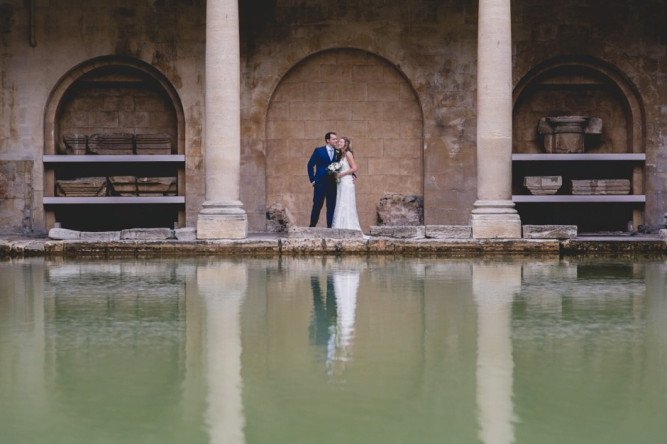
{"x": 345, "y": 214}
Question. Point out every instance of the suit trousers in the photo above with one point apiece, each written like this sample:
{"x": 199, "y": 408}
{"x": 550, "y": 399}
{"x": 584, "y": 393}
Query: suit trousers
{"x": 324, "y": 190}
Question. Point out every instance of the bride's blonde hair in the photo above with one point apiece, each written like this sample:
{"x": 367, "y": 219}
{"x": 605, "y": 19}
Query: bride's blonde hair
{"x": 348, "y": 144}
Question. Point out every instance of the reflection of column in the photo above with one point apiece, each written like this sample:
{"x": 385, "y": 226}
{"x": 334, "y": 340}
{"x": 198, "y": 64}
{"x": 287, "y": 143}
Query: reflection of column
{"x": 222, "y": 215}
{"x": 494, "y": 286}
{"x": 494, "y": 215}
{"x": 223, "y": 288}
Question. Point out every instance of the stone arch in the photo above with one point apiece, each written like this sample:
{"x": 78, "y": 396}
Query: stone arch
{"x": 356, "y": 94}
{"x": 582, "y": 86}
{"x": 112, "y": 94}
{"x": 117, "y": 67}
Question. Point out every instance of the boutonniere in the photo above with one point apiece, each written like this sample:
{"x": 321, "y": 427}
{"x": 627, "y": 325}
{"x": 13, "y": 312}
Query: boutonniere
{"x": 337, "y": 154}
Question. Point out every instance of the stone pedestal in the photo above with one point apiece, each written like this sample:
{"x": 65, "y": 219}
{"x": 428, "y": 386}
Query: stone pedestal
{"x": 495, "y": 220}
{"x": 222, "y": 220}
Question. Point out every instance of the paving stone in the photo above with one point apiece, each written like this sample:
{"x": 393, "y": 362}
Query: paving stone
{"x": 64, "y": 234}
{"x": 448, "y": 231}
{"x": 146, "y": 234}
{"x": 324, "y": 233}
{"x": 398, "y": 231}
{"x": 550, "y": 231}
{"x": 100, "y": 236}
{"x": 185, "y": 234}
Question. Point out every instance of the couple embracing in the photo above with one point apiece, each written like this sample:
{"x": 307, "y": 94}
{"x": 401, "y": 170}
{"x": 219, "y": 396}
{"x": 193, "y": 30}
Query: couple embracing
{"x": 331, "y": 171}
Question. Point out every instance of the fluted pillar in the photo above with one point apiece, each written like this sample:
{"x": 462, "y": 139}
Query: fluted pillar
{"x": 494, "y": 215}
{"x": 222, "y": 215}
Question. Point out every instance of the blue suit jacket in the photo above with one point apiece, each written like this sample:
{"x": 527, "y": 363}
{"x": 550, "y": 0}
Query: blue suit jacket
{"x": 318, "y": 163}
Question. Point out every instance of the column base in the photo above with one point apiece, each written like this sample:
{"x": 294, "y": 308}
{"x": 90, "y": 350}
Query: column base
{"x": 222, "y": 220}
{"x": 495, "y": 219}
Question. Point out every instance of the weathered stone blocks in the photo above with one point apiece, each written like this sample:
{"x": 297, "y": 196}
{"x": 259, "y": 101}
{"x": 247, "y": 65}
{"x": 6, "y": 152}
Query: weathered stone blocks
{"x": 278, "y": 219}
{"x": 397, "y": 209}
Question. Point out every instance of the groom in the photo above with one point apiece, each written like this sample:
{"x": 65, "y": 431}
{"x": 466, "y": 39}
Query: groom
{"x": 324, "y": 184}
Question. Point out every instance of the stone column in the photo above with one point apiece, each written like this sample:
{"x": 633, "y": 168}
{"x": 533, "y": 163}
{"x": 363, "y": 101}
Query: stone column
{"x": 494, "y": 215}
{"x": 222, "y": 215}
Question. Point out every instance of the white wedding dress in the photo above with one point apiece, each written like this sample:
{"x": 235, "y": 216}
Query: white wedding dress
{"x": 345, "y": 213}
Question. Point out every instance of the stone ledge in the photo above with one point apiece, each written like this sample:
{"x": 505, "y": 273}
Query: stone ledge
{"x": 146, "y": 234}
{"x": 398, "y": 231}
{"x": 448, "y": 231}
{"x": 323, "y": 233}
{"x": 549, "y": 231}
{"x": 275, "y": 246}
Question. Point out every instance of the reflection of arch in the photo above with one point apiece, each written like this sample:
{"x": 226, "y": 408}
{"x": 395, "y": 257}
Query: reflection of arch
{"x": 355, "y": 93}
{"x": 580, "y": 75}
{"x": 131, "y": 69}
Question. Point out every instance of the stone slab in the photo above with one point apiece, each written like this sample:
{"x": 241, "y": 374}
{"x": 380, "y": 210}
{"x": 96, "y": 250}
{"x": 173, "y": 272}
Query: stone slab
{"x": 185, "y": 234}
{"x": 64, "y": 234}
{"x": 100, "y": 236}
{"x": 323, "y": 233}
{"x": 448, "y": 231}
{"x": 550, "y": 231}
{"x": 146, "y": 234}
{"x": 398, "y": 231}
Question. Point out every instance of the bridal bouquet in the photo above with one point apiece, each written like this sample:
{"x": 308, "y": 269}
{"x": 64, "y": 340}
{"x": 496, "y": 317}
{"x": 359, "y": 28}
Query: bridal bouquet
{"x": 334, "y": 168}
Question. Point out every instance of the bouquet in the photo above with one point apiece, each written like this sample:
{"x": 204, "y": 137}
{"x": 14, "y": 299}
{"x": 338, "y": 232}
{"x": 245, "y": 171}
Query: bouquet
{"x": 334, "y": 168}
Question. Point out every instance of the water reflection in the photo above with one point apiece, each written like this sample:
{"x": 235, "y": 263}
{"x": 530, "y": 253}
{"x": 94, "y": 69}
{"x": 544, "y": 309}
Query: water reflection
{"x": 223, "y": 288}
{"x": 494, "y": 288}
{"x": 333, "y": 321}
{"x": 330, "y": 350}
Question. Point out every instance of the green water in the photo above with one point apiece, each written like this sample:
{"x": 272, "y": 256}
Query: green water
{"x": 331, "y": 350}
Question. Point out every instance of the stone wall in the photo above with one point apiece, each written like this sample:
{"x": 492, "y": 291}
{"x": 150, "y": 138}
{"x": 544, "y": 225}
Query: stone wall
{"x": 431, "y": 44}
{"x": 167, "y": 35}
{"x": 360, "y": 96}
{"x": 628, "y": 38}
{"x": 428, "y": 47}
{"x": 16, "y": 197}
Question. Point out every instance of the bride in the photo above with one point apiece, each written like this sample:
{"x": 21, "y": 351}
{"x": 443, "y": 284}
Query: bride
{"x": 345, "y": 214}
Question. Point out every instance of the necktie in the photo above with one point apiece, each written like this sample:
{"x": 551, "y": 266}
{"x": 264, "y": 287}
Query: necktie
{"x": 330, "y": 153}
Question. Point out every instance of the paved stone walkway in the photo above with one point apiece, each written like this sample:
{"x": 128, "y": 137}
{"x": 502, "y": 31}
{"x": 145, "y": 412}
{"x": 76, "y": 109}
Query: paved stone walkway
{"x": 322, "y": 241}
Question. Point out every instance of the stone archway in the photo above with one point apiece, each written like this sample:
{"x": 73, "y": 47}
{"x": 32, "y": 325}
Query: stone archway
{"x": 356, "y": 94}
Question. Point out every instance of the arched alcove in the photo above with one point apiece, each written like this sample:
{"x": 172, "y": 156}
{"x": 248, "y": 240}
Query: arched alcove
{"x": 611, "y": 155}
{"x": 356, "y": 94}
{"x": 115, "y": 98}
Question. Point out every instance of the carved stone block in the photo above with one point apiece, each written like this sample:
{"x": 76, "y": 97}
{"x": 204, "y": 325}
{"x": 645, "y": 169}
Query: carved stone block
{"x": 82, "y": 187}
{"x": 543, "y": 185}
{"x": 600, "y": 186}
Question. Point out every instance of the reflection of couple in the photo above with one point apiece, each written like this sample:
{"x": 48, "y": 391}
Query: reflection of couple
{"x": 333, "y": 322}
{"x": 336, "y": 188}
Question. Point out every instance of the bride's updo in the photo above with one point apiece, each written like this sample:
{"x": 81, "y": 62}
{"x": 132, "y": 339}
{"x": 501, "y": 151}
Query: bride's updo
{"x": 348, "y": 144}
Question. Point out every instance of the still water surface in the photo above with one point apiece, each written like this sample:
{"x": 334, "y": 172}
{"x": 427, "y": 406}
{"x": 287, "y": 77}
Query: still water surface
{"x": 333, "y": 350}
